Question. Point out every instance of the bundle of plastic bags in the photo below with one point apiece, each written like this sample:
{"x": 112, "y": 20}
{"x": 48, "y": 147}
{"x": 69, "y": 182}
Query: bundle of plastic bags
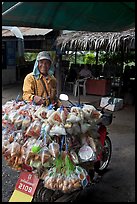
{"x": 52, "y": 143}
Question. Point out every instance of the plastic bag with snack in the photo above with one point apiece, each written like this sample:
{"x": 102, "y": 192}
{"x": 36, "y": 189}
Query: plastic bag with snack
{"x": 26, "y": 122}
{"x": 18, "y": 122}
{"x": 12, "y": 116}
{"x": 45, "y": 155}
{"x": 85, "y": 127}
{"x": 54, "y": 149}
{"x": 78, "y": 111}
{"x": 73, "y": 117}
{"x": 57, "y": 130}
{"x": 63, "y": 113}
{"x": 55, "y": 118}
{"x": 87, "y": 110}
{"x": 8, "y": 106}
{"x": 41, "y": 113}
{"x": 34, "y": 129}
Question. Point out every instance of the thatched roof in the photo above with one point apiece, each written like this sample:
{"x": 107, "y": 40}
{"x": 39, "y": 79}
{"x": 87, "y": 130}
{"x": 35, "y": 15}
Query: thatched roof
{"x": 108, "y": 41}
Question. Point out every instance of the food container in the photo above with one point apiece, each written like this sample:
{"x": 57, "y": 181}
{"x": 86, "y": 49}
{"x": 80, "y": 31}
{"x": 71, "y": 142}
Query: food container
{"x": 86, "y": 153}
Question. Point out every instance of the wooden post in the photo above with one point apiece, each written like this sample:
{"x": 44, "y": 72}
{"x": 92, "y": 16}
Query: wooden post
{"x": 76, "y": 56}
{"x": 58, "y": 74}
{"x": 96, "y": 57}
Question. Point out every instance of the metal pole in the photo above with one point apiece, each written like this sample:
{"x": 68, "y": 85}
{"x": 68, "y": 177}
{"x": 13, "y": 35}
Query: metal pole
{"x": 11, "y": 8}
{"x": 78, "y": 93}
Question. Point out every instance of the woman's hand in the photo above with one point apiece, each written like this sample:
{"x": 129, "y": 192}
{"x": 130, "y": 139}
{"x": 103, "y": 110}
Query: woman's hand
{"x": 38, "y": 100}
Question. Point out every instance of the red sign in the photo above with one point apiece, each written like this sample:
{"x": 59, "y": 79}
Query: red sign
{"x": 27, "y": 183}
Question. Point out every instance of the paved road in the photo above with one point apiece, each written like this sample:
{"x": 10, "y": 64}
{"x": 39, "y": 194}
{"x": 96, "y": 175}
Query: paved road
{"x": 118, "y": 183}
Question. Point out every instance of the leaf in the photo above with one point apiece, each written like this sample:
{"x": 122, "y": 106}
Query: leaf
{"x": 69, "y": 165}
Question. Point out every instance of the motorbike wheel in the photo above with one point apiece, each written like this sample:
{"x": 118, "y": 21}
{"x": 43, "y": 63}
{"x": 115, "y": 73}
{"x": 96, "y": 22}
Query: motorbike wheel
{"x": 100, "y": 166}
{"x": 42, "y": 194}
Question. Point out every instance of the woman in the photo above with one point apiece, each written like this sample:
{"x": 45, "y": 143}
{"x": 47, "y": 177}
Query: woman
{"x": 40, "y": 85}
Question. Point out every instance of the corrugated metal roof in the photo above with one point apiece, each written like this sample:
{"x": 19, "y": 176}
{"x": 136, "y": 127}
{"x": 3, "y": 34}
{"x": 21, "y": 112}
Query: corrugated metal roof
{"x": 27, "y": 31}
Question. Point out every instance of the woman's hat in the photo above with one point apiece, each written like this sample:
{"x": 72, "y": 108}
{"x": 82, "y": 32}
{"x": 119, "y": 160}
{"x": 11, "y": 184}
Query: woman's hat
{"x": 43, "y": 55}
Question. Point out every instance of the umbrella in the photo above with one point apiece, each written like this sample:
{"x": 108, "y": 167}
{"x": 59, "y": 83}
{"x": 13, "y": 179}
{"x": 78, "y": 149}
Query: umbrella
{"x": 82, "y": 16}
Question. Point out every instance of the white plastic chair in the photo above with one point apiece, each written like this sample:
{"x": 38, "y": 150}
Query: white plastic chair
{"x": 80, "y": 83}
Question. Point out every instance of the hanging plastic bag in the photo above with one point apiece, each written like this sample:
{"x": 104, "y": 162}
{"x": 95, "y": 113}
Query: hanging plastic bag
{"x": 34, "y": 129}
{"x": 85, "y": 127}
{"x": 54, "y": 149}
{"x": 57, "y": 130}
{"x": 26, "y": 122}
{"x": 55, "y": 118}
{"x": 87, "y": 110}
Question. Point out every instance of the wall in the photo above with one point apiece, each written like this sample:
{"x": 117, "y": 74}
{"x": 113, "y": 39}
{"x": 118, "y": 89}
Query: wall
{"x": 8, "y": 76}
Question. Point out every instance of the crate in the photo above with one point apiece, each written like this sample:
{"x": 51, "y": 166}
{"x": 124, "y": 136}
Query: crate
{"x": 115, "y": 106}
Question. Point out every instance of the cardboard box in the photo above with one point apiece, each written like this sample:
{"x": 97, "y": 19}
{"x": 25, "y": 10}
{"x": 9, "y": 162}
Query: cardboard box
{"x": 116, "y": 105}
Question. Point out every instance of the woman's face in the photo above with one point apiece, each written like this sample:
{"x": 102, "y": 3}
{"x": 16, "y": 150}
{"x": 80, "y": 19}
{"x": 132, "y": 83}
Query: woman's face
{"x": 44, "y": 66}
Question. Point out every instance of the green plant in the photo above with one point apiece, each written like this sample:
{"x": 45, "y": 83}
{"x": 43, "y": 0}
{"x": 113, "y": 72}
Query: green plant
{"x": 89, "y": 58}
{"x": 30, "y": 56}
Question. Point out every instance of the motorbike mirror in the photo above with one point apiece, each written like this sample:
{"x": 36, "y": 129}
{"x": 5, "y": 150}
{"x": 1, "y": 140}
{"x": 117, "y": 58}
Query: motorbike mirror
{"x": 63, "y": 97}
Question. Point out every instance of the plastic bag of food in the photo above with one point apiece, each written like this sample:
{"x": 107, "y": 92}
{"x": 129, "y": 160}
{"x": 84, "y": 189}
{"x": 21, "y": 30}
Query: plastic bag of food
{"x": 45, "y": 155}
{"x": 29, "y": 142}
{"x": 71, "y": 183}
{"x": 87, "y": 110}
{"x": 45, "y": 128}
{"x": 76, "y": 129}
{"x": 24, "y": 110}
{"x": 36, "y": 162}
{"x": 34, "y": 129}
{"x": 96, "y": 115}
{"x": 78, "y": 111}
{"x": 26, "y": 122}
{"x": 92, "y": 143}
{"x": 55, "y": 118}
{"x": 57, "y": 130}
{"x": 50, "y": 181}
{"x": 5, "y": 145}
{"x": 68, "y": 127}
{"x": 41, "y": 113}
{"x": 5, "y": 116}
{"x": 85, "y": 127}
{"x": 63, "y": 113}
{"x": 73, "y": 118}
{"x": 86, "y": 153}
{"x": 14, "y": 155}
{"x": 12, "y": 116}
{"x": 29, "y": 156}
{"x": 15, "y": 148}
{"x": 94, "y": 132}
{"x": 49, "y": 112}
{"x": 33, "y": 156}
{"x": 19, "y": 136}
{"x": 6, "y": 124}
{"x": 73, "y": 128}
{"x": 18, "y": 122}
{"x": 74, "y": 157}
{"x": 36, "y": 148}
{"x": 54, "y": 149}
{"x": 8, "y": 106}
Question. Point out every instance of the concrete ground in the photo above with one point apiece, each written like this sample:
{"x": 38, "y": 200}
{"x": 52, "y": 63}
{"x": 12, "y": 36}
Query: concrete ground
{"x": 118, "y": 183}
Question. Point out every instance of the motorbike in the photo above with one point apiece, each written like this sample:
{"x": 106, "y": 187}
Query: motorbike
{"x": 94, "y": 168}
